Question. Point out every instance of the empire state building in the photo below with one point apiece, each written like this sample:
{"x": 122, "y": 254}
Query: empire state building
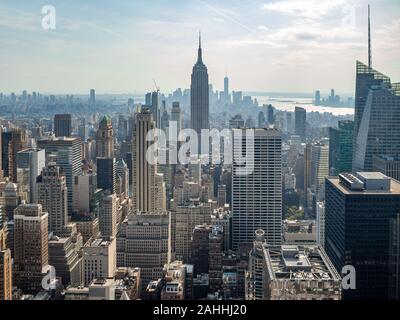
{"x": 199, "y": 104}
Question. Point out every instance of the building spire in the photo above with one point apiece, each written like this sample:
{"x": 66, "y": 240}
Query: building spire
{"x": 369, "y": 40}
{"x": 200, "y": 54}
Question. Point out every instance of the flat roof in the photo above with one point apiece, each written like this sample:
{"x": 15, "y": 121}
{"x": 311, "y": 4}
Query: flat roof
{"x": 394, "y": 188}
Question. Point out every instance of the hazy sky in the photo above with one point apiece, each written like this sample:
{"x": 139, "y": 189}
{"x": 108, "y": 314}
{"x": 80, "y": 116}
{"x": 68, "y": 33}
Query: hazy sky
{"x": 119, "y": 46}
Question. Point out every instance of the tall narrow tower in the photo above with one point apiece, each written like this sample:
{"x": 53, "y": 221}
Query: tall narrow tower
{"x": 199, "y": 91}
{"x": 369, "y": 40}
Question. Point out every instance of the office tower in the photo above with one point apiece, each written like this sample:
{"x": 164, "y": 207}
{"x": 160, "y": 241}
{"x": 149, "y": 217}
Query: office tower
{"x": 199, "y": 249}
{"x": 307, "y": 167}
{"x": 5, "y": 274}
{"x": 144, "y": 241}
{"x": 221, "y": 195}
{"x": 199, "y": 95}
{"x": 30, "y": 163}
{"x": 86, "y": 195}
{"x": 99, "y": 260}
{"x": 105, "y": 139}
{"x": 92, "y": 99}
{"x": 236, "y": 122}
{"x": 122, "y": 179}
{"x": 62, "y": 125}
{"x": 388, "y": 165}
{"x": 257, "y": 193}
{"x": 30, "y": 246}
{"x": 261, "y": 120}
{"x": 215, "y": 250}
{"x": 176, "y": 115}
{"x": 377, "y": 117}
{"x": 11, "y": 143}
{"x": 186, "y": 218}
{"x": 321, "y": 224}
{"x": 147, "y": 185}
{"x": 319, "y": 167}
{"x": 270, "y": 114}
{"x": 108, "y": 216}
{"x": 11, "y": 201}
{"x": 83, "y": 132}
{"x": 64, "y": 257}
{"x": 227, "y": 99}
{"x": 148, "y": 99}
{"x": 67, "y": 153}
{"x": 52, "y": 195}
{"x": 341, "y": 147}
{"x": 122, "y": 128}
{"x": 361, "y": 230}
{"x": 5, "y": 266}
{"x": 154, "y": 107}
{"x": 300, "y": 116}
{"x": 317, "y": 100}
{"x": 106, "y": 174}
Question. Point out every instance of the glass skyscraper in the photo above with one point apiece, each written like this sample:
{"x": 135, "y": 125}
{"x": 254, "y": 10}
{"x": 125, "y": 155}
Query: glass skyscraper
{"x": 377, "y": 117}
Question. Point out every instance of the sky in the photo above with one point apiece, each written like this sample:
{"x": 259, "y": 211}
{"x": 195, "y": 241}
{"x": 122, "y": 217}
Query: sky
{"x": 120, "y": 46}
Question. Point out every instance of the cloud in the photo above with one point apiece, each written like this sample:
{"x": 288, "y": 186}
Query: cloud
{"x": 263, "y": 28}
{"x": 309, "y": 9}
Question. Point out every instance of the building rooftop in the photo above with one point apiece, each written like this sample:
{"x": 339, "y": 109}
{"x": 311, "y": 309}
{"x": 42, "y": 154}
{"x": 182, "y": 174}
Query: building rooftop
{"x": 299, "y": 263}
{"x": 365, "y": 183}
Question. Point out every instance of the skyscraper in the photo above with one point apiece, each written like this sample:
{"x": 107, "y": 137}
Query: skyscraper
{"x": 92, "y": 99}
{"x": 300, "y": 122}
{"x": 99, "y": 260}
{"x": 341, "y": 147}
{"x": 105, "y": 139}
{"x": 30, "y": 246}
{"x": 147, "y": 184}
{"x": 257, "y": 196}
{"x": 52, "y": 195}
{"x": 361, "y": 229}
{"x": 67, "y": 153}
{"x": 144, "y": 241}
{"x": 62, "y": 125}
{"x": 106, "y": 174}
{"x": 377, "y": 114}
{"x": 108, "y": 216}
{"x": 377, "y": 117}
{"x": 227, "y": 99}
{"x": 31, "y": 162}
{"x": 319, "y": 167}
{"x": 199, "y": 95}
{"x": 5, "y": 267}
{"x": 11, "y": 143}
{"x": 176, "y": 115}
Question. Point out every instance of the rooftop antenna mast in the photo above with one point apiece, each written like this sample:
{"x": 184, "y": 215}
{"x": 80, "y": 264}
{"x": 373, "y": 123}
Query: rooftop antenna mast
{"x": 369, "y": 40}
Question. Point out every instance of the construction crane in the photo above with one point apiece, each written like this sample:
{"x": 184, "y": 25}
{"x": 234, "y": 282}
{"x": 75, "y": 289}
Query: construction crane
{"x": 157, "y": 87}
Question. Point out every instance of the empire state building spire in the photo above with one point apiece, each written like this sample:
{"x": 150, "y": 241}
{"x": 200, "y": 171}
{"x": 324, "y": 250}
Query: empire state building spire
{"x": 199, "y": 95}
{"x": 200, "y": 54}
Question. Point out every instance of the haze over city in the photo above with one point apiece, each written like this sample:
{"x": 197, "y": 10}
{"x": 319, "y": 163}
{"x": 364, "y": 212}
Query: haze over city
{"x": 264, "y": 46}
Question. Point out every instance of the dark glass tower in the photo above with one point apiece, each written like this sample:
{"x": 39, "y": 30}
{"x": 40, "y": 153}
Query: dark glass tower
{"x": 362, "y": 230}
{"x": 62, "y": 125}
{"x": 341, "y": 147}
{"x": 199, "y": 91}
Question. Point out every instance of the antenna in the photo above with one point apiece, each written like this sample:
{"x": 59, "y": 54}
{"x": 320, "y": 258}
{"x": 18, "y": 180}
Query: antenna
{"x": 369, "y": 40}
{"x": 199, "y": 39}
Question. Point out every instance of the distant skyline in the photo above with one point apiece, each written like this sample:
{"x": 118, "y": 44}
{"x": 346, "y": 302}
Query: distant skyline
{"x": 264, "y": 46}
